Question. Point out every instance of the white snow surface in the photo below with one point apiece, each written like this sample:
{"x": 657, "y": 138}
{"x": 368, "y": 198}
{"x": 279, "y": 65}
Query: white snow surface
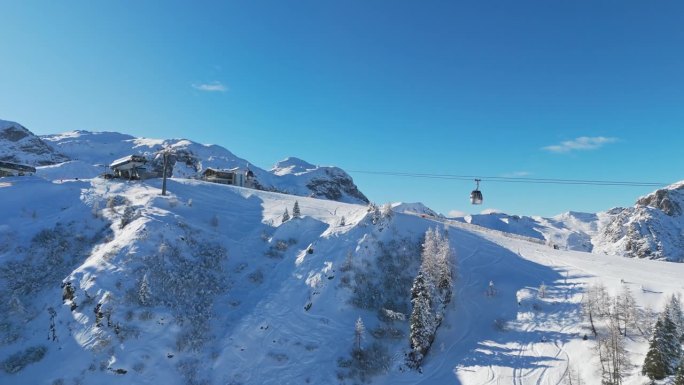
{"x": 236, "y": 296}
{"x": 296, "y": 177}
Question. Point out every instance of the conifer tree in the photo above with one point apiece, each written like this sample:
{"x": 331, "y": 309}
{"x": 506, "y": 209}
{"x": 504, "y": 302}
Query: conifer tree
{"x": 295, "y": 210}
{"x": 673, "y": 348}
{"x": 286, "y": 216}
{"x": 675, "y": 311}
{"x": 679, "y": 376}
{"x": 421, "y": 322}
{"x": 664, "y": 351}
{"x": 431, "y": 292}
{"x": 654, "y": 363}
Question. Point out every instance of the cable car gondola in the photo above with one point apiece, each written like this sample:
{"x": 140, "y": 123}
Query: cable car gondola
{"x": 476, "y": 195}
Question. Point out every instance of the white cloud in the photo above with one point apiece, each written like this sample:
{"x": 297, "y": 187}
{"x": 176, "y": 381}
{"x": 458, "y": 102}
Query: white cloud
{"x": 491, "y": 211}
{"x": 581, "y": 143}
{"x": 456, "y": 214}
{"x": 517, "y": 174}
{"x": 214, "y": 86}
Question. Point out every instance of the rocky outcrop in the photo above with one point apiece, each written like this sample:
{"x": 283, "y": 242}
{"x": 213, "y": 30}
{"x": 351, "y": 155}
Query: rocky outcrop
{"x": 652, "y": 229}
{"x": 334, "y": 186}
{"x": 19, "y": 145}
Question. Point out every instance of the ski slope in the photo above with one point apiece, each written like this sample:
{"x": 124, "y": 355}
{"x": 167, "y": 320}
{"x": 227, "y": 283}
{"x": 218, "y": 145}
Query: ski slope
{"x": 515, "y": 337}
{"x": 237, "y": 296}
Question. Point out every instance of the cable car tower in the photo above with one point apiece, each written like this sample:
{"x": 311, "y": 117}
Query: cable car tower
{"x": 476, "y": 195}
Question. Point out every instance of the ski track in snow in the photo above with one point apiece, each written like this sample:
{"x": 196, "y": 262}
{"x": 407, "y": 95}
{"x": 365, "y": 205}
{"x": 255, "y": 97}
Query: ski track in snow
{"x": 264, "y": 334}
{"x": 480, "y": 261}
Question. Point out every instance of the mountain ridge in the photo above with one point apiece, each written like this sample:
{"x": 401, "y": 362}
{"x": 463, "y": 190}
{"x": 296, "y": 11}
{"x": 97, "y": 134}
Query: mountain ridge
{"x": 89, "y": 154}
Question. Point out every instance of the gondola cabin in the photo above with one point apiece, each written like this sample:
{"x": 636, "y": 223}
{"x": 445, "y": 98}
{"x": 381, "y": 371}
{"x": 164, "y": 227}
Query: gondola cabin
{"x": 15, "y": 169}
{"x": 476, "y": 195}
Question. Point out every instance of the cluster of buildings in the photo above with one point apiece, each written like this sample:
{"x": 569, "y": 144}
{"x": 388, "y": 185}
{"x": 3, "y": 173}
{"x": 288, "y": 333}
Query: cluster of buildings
{"x": 15, "y": 169}
{"x": 133, "y": 167}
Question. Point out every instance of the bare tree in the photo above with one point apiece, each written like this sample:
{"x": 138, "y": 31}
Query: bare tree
{"x": 359, "y": 330}
{"x": 595, "y": 304}
{"x": 611, "y": 349}
{"x": 625, "y": 309}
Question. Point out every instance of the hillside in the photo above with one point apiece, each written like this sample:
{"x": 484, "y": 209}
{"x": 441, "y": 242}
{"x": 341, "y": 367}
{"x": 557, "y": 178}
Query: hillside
{"x": 207, "y": 286}
{"x": 188, "y": 159}
{"x": 651, "y": 229}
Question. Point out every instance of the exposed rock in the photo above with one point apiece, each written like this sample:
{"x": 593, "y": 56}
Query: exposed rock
{"x": 19, "y": 145}
{"x": 662, "y": 200}
{"x": 652, "y": 229}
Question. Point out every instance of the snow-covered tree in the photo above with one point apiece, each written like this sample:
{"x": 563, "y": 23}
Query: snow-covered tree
{"x": 374, "y": 212}
{"x": 655, "y": 361}
{"x": 386, "y": 210}
{"x": 286, "y": 216}
{"x": 625, "y": 309}
{"x": 664, "y": 350}
{"x": 595, "y": 304}
{"x": 296, "y": 213}
{"x": 542, "y": 290}
{"x": 674, "y": 308}
{"x": 359, "y": 330}
{"x": 422, "y": 322}
{"x": 144, "y": 293}
{"x": 612, "y": 353}
{"x": 679, "y": 376}
{"x": 431, "y": 292}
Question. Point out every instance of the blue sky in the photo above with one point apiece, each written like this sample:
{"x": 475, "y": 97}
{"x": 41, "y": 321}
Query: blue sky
{"x": 447, "y": 87}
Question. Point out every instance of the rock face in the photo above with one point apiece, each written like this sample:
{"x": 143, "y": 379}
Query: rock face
{"x": 319, "y": 181}
{"x": 335, "y": 185}
{"x": 652, "y": 229}
{"x": 19, "y": 145}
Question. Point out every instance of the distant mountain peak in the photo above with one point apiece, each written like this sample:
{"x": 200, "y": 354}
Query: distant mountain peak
{"x": 292, "y": 165}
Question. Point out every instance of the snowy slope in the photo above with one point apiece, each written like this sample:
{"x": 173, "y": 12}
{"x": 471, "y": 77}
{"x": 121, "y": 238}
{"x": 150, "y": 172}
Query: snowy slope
{"x": 189, "y": 159}
{"x": 19, "y": 145}
{"x": 652, "y": 229}
{"x": 206, "y": 285}
{"x": 571, "y": 230}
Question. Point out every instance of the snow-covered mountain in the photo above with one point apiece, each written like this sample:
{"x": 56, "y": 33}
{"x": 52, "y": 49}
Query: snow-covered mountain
{"x": 569, "y": 231}
{"x": 108, "y": 281}
{"x": 19, "y": 145}
{"x": 324, "y": 182}
{"x": 93, "y": 151}
{"x": 653, "y": 228}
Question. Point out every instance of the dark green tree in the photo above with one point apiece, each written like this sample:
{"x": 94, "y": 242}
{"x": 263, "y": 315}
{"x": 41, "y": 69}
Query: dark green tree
{"x": 655, "y": 366}
{"x": 664, "y": 351}
{"x": 679, "y": 377}
{"x": 421, "y": 323}
{"x": 295, "y": 210}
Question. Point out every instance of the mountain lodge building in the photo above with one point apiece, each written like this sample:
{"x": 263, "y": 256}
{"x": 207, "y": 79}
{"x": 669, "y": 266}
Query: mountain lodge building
{"x": 15, "y": 169}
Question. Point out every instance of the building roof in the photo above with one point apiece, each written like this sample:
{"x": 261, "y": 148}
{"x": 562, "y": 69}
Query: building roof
{"x": 128, "y": 159}
{"x": 17, "y": 167}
